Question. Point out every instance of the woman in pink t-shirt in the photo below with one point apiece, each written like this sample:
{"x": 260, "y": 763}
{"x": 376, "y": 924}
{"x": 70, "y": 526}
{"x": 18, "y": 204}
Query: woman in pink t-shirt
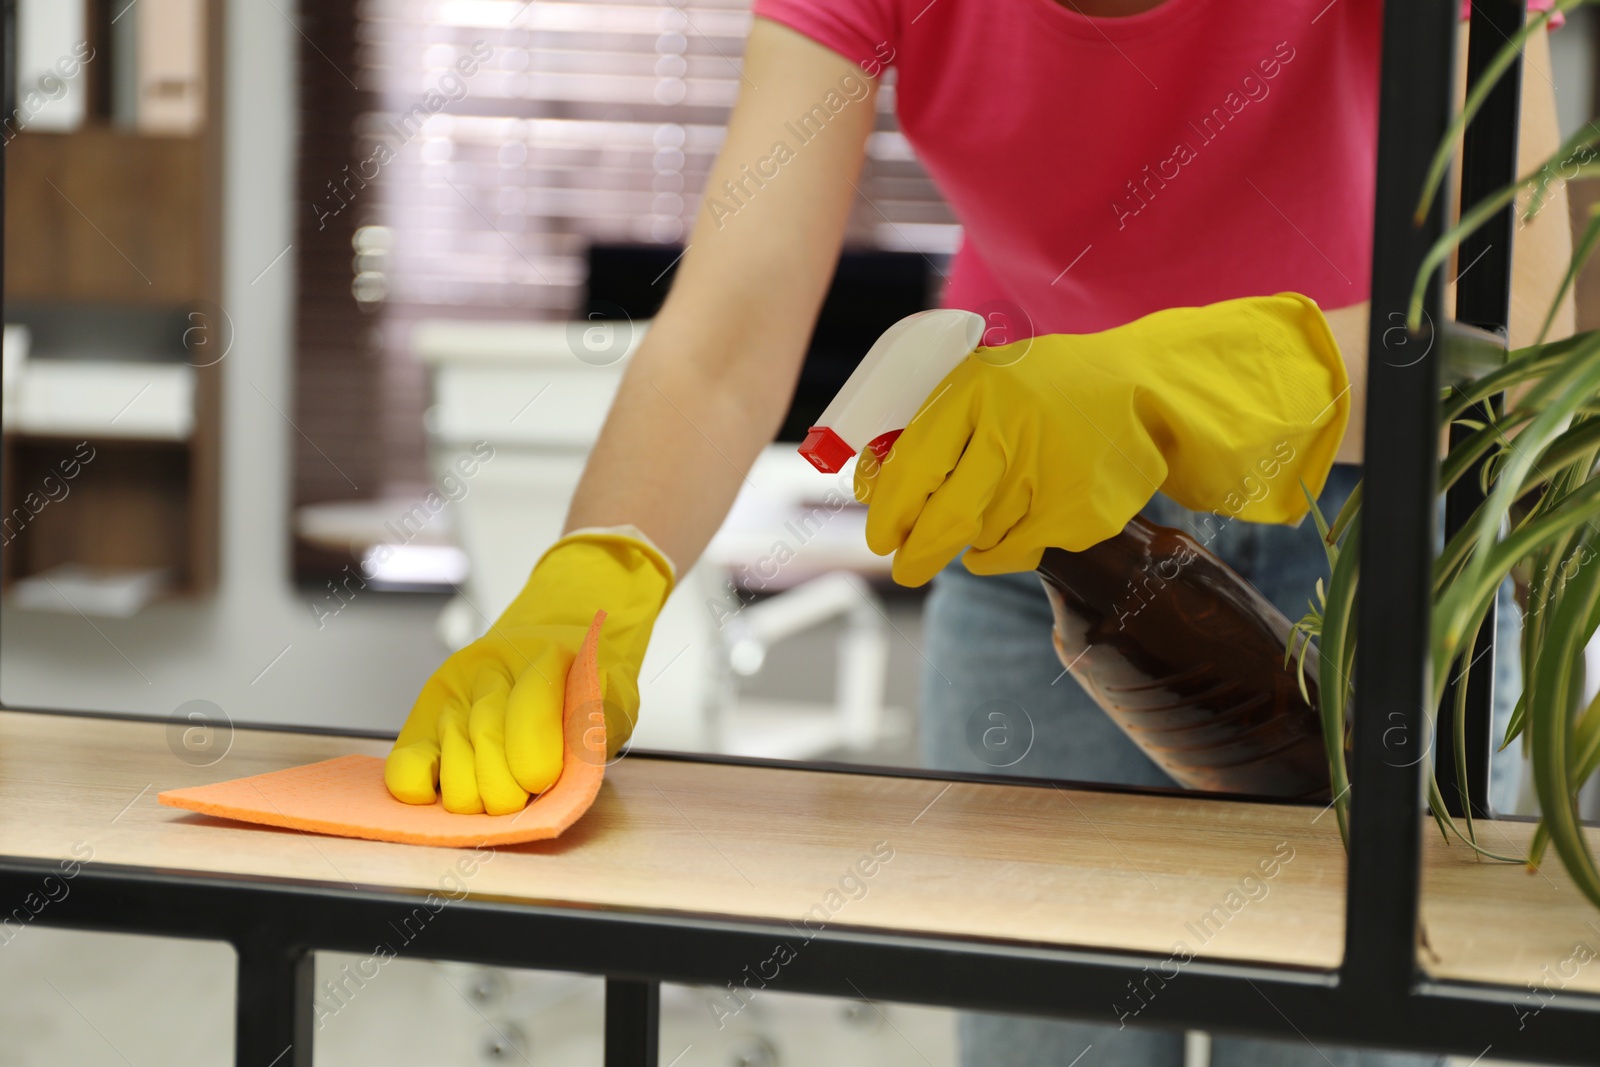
{"x": 1107, "y": 159}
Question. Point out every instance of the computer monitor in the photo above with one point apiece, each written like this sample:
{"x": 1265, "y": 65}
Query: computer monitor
{"x": 870, "y": 291}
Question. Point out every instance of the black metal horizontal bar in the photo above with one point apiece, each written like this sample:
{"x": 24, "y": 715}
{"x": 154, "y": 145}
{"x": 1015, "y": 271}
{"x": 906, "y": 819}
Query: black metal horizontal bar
{"x": 984, "y": 975}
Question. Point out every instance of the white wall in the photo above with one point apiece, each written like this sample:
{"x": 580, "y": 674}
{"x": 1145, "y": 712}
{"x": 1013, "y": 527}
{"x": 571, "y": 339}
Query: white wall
{"x": 365, "y": 666}
{"x": 1572, "y": 56}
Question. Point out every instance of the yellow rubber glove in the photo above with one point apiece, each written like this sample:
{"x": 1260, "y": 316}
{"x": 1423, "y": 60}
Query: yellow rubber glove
{"x": 1059, "y": 440}
{"x": 486, "y": 728}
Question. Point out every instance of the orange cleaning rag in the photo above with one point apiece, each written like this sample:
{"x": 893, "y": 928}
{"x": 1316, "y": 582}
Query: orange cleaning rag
{"x": 346, "y": 796}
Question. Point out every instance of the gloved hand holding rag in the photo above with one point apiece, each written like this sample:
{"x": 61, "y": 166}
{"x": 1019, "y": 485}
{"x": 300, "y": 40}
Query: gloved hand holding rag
{"x": 486, "y": 731}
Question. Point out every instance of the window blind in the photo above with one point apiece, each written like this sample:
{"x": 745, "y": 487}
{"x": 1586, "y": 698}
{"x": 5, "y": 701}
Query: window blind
{"x": 489, "y": 142}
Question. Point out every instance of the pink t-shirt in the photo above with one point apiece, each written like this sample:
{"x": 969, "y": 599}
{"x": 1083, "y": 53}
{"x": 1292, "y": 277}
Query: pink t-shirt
{"x": 1106, "y": 168}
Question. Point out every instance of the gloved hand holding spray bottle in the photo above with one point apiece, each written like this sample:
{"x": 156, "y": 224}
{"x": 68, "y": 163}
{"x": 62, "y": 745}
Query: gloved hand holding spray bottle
{"x": 1039, "y": 455}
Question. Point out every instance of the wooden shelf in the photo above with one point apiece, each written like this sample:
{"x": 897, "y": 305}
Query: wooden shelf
{"x": 1031, "y": 864}
{"x": 102, "y": 218}
{"x": 106, "y": 215}
{"x": 128, "y": 507}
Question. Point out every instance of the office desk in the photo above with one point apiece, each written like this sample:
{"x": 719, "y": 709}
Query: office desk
{"x": 1032, "y": 897}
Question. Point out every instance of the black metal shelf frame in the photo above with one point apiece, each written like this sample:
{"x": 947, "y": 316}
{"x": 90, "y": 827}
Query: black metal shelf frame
{"x": 1378, "y": 997}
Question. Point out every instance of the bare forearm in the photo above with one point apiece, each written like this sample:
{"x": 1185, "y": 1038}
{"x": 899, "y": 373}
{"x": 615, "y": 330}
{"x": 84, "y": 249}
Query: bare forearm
{"x": 1349, "y": 326}
{"x": 709, "y": 385}
{"x": 674, "y": 452}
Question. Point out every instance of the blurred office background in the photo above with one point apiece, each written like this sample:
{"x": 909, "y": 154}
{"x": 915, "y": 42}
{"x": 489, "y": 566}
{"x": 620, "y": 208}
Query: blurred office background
{"x": 244, "y": 349}
{"x": 283, "y": 270}
{"x": 267, "y": 353}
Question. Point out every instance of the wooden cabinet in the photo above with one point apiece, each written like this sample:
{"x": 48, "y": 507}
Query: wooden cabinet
{"x": 103, "y": 215}
{"x": 98, "y": 221}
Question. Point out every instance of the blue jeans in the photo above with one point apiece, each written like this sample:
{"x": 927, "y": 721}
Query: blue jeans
{"x": 988, "y": 647}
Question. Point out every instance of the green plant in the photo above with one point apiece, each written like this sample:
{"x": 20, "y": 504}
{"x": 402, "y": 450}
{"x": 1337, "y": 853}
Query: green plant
{"x": 1538, "y": 523}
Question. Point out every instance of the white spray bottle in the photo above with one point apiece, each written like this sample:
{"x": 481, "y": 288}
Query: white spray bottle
{"x": 889, "y": 385}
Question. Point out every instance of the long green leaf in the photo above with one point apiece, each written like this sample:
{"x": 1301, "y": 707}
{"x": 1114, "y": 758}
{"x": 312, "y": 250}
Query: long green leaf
{"x": 1579, "y": 377}
{"x": 1525, "y": 364}
{"x": 1486, "y": 209}
{"x": 1480, "y": 91}
{"x": 1458, "y": 732}
{"x": 1537, "y": 847}
{"x": 1347, "y": 514}
{"x": 1329, "y": 549}
{"x": 1550, "y": 725}
{"x": 1585, "y": 757}
{"x": 1337, "y": 653}
{"x": 1578, "y": 445}
{"x": 1442, "y": 819}
{"x": 1580, "y": 256}
{"x": 1459, "y": 603}
{"x": 1475, "y": 218}
{"x": 1514, "y": 726}
{"x": 1574, "y": 448}
{"x": 1469, "y": 353}
{"x": 1441, "y": 675}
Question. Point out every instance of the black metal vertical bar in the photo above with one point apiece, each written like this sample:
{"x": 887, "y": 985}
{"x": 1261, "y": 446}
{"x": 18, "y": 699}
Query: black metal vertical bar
{"x": 1483, "y": 299}
{"x": 273, "y": 1005}
{"x": 1397, "y": 524}
{"x": 633, "y": 1023}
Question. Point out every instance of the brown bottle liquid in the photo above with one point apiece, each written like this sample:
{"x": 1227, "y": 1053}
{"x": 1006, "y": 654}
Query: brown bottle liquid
{"x": 1188, "y": 658}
